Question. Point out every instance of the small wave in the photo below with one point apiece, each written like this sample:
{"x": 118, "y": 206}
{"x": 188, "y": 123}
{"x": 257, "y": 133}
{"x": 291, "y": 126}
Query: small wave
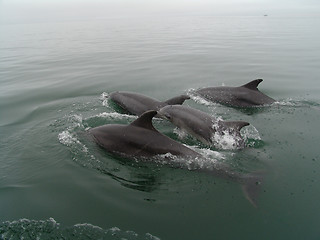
{"x": 50, "y": 229}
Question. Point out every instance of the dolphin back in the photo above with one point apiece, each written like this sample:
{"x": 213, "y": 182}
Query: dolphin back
{"x": 247, "y": 95}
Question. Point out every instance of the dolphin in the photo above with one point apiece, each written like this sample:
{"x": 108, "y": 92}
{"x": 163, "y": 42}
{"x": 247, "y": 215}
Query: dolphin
{"x": 202, "y": 126}
{"x": 141, "y": 140}
{"x": 247, "y": 95}
{"x": 137, "y": 104}
{"x": 138, "y": 139}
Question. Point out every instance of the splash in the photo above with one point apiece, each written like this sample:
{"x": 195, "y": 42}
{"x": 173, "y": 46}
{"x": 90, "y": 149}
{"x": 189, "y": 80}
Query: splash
{"x": 104, "y": 98}
{"x": 180, "y": 133}
{"x": 209, "y": 154}
{"x": 195, "y": 97}
{"x": 226, "y": 141}
{"x": 50, "y": 229}
{"x": 68, "y": 136}
{"x": 208, "y": 160}
{"x": 250, "y": 132}
{"x": 297, "y": 102}
{"x": 286, "y": 102}
{"x": 115, "y": 115}
{"x": 68, "y": 139}
{"x": 226, "y": 138}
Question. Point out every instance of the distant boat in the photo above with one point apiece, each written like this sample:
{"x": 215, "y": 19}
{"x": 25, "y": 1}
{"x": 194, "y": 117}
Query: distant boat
{"x": 266, "y": 15}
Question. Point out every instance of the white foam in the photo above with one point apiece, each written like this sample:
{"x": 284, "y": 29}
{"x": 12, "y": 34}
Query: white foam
{"x": 180, "y": 133}
{"x": 88, "y": 225}
{"x": 151, "y": 237}
{"x": 286, "y": 102}
{"x": 104, "y": 98}
{"x": 208, "y": 160}
{"x": 198, "y": 99}
{"x": 76, "y": 120}
{"x": 66, "y": 138}
{"x": 50, "y": 229}
{"x": 225, "y": 140}
{"x": 208, "y": 153}
{"x": 115, "y": 115}
{"x": 250, "y": 132}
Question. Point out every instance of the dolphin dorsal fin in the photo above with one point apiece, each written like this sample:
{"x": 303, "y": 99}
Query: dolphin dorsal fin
{"x": 177, "y": 100}
{"x": 145, "y": 120}
{"x": 253, "y": 85}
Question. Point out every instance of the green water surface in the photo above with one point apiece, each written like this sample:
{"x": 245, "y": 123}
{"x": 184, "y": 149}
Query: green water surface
{"x": 55, "y": 78}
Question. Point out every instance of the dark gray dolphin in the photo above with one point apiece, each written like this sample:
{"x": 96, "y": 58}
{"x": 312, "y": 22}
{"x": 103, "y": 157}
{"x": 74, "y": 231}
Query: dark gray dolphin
{"x": 203, "y": 126}
{"x": 137, "y": 104}
{"x": 141, "y": 140}
{"x": 246, "y": 95}
{"x": 138, "y": 139}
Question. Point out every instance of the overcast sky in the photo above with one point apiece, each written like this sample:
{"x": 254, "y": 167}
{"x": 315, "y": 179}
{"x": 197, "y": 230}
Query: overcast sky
{"x": 16, "y": 11}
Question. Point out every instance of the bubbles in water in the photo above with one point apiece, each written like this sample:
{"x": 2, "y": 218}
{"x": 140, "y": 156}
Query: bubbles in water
{"x": 250, "y": 132}
{"x": 75, "y": 120}
{"x": 50, "y": 229}
{"x": 192, "y": 93}
{"x": 225, "y": 140}
{"x": 66, "y": 138}
{"x": 104, "y": 98}
{"x": 208, "y": 153}
{"x": 115, "y": 115}
{"x": 286, "y": 102}
{"x": 208, "y": 160}
{"x": 180, "y": 133}
{"x": 297, "y": 102}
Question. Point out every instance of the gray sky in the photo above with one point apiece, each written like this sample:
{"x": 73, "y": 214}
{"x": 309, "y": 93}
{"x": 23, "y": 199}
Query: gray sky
{"x": 22, "y": 11}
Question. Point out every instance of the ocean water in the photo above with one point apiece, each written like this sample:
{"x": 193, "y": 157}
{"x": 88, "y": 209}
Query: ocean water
{"x": 55, "y": 79}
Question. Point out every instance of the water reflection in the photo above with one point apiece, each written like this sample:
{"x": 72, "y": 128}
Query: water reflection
{"x": 139, "y": 178}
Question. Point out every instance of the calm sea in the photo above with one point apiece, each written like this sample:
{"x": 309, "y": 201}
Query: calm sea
{"x": 55, "y": 79}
